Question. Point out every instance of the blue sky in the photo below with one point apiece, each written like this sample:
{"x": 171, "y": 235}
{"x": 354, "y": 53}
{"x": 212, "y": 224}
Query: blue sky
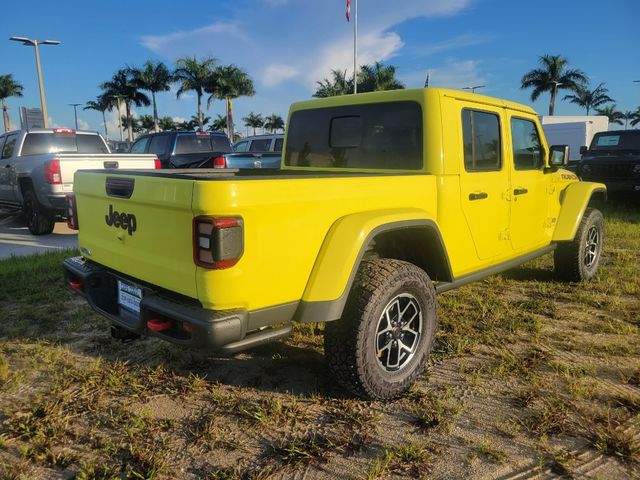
{"x": 287, "y": 45}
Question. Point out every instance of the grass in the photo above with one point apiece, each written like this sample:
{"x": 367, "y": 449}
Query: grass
{"x": 520, "y": 359}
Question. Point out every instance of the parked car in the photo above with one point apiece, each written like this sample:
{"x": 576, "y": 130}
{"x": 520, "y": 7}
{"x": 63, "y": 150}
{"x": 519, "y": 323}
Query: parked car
{"x": 37, "y": 168}
{"x": 184, "y": 149}
{"x": 261, "y": 151}
{"x": 613, "y": 158}
{"x": 384, "y": 200}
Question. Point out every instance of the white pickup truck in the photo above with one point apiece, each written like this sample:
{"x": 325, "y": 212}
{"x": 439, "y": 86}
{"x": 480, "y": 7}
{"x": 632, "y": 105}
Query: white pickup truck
{"x": 37, "y": 168}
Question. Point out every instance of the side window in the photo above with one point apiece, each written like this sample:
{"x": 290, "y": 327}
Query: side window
{"x": 2, "y": 139}
{"x": 158, "y": 144}
{"x": 481, "y": 137}
{"x": 140, "y": 145}
{"x": 278, "y": 145}
{"x": 527, "y": 149}
{"x": 241, "y": 147}
{"x": 7, "y": 149}
{"x": 261, "y": 145}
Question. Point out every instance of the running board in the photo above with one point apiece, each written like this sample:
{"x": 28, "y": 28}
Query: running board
{"x": 472, "y": 277}
{"x": 258, "y": 338}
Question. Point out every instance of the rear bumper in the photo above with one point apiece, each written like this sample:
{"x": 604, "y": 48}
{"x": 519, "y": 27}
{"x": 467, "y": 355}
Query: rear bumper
{"x": 224, "y": 330}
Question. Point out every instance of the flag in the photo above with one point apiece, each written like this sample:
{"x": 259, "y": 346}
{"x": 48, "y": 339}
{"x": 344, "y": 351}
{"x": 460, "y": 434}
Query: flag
{"x": 348, "y": 10}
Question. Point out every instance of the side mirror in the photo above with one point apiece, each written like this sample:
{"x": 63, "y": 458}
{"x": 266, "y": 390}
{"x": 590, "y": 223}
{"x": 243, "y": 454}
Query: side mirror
{"x": 584, "y": 149}
{"x": 558, "y": 155}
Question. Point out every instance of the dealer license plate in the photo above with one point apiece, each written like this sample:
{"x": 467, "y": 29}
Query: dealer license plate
{"x": 129, "y": 296}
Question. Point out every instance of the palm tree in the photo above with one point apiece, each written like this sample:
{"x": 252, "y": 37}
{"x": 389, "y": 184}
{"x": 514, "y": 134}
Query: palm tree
{"x": 147, "y": 123}
{"x": 615, "y": 116}
{"x": 628, "y": 115}
{"x": 273, "y": 123}
{"x": 219, "y": 123}
{"x": 253, "y": 120}
{"x": 589, "y": 99}
{"x": 154, "y": 78}
{"x": 338, "y": 84}
{"x": 553, "y": 76}
{"x": 194, "y": 74}
{"x": 227, "y": 83}
{"x": 101, "y": 104}
{"x": 122, "y": 85}
{"x": 8, "y": 88}
{"x": 194, "y": 122}
{"x": 635, "y": 117}
{"x": 378, "y": 77}
{"x": 167, "y": 124}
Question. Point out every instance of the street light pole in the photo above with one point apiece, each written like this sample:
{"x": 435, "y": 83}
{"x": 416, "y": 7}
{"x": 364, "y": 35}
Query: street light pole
{"x": 35, "y": 43}
{"x": 75, "y": 112}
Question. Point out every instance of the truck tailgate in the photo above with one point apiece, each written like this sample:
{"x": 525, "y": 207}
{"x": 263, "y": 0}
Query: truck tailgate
{"x": 72, "y": 162}
{"x": 139, "y": 225}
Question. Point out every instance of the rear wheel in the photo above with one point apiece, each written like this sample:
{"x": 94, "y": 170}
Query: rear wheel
{"x": 579, "y": 260}
{"x": 39, "y": 220}
{"x": 379, "y": 346}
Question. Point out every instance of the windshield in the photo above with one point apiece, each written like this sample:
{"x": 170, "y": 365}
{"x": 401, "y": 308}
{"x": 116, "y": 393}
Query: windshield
{"x": 373, "y": 136}
{"x": 44, "y": 142}
{"x": 202, "y": 144}
{"x": 624, "y": 140}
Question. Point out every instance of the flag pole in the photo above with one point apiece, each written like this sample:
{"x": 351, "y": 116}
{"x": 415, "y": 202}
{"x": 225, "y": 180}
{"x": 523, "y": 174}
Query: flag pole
{"x": 355, "y": 48}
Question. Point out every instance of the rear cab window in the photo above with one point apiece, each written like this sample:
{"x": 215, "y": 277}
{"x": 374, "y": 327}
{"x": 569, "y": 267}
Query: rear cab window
{"x": 261, "y": 145}
{"x": 620, "y": 140}
{"x": 202, "y": 143}
{"x": 48, "y": 142}
{"x": 374, "y": 136}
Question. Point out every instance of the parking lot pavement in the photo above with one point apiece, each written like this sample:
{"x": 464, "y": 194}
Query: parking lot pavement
{"x": 15, "y": 238}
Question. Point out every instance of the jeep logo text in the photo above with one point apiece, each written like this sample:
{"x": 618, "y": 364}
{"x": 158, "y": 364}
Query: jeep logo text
{"x": 126, "y": 221}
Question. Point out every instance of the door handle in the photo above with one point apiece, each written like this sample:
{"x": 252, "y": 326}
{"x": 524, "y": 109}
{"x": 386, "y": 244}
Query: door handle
{"x": 520, "y": 191}
{"x": 478, "y": 196}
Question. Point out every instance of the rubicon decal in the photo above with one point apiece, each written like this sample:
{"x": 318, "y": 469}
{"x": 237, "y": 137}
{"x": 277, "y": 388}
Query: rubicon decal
{"x": 126, "y": 221}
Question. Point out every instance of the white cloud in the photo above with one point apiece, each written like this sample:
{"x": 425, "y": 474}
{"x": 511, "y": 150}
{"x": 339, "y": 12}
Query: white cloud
{"x": 82, "y": 125}
{"x": 200, "y": 36}
{"x": 275, "y": 74}
{"x": 453, "y": 74}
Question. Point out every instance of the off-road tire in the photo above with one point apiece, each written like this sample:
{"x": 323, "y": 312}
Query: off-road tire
{"x": 39, "y": 220}
{"x": 350, "y": 342}
{"x": 578, "y": 260}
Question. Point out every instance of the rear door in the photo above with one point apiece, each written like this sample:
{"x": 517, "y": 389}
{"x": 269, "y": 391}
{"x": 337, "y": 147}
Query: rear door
{"x": 484, "y": 180}
{"x": 7, "y": 169}
{"x": 122, "y": 219}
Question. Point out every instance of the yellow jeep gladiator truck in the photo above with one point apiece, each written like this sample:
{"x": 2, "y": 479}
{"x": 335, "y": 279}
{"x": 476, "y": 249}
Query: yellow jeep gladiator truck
{"x": 383, "y": 200}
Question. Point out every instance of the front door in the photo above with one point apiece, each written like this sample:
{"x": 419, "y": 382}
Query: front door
{"x": 529, "y": 186}
{"x": 484, "y": 179}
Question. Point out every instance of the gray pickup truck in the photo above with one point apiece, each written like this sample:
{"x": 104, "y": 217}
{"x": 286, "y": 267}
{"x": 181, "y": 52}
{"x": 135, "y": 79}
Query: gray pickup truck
{"x": 260, "y": 151}
{"x": 37, "y": 168}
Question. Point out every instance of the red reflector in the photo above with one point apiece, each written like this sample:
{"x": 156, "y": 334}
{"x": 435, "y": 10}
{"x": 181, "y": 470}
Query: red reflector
{"x": 187, "y": 327}
{"x": 52, "y": 172}
{"x": 76, "y": 284}
{"x": 64, "y": 130}
{"x": 157, "y": 164}
{"x": 219, "y": 162}
{"x": 157, "y": 325}
{"x": 225, "y": 222}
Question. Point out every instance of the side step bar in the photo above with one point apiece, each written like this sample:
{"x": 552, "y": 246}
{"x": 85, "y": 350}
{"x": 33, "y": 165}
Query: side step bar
{"x": 258, "y": 338}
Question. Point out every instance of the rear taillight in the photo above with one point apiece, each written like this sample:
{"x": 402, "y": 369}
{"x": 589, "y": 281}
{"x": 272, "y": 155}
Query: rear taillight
{"x": 218, "y": 242}
{"x": 52, "y": 172}
{"x": 219, "y": 162}
{"x": 157, "y": 164}
{"x": 72, "y": 212}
